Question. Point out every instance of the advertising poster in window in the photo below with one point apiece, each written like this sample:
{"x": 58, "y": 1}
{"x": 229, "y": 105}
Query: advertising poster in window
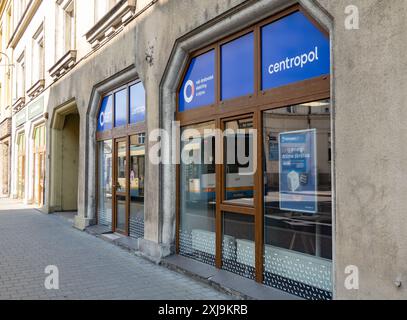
{"x": 298, "y": 171}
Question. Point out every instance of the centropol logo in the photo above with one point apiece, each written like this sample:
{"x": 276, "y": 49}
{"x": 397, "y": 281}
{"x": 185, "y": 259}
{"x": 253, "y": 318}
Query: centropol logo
{"x": 189, "y": 84}
{"x": 102, "y": 119}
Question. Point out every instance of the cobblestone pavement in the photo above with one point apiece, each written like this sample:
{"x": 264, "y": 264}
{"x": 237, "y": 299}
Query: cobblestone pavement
{"x": 89, "y": 267}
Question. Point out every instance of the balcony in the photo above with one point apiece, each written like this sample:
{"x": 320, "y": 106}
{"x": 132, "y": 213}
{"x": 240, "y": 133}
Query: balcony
{"x": 112, "y": 22}
{"x": 63, "y": 65}
{"x": 19, "y": 104}
{"x": 36, "y": 89}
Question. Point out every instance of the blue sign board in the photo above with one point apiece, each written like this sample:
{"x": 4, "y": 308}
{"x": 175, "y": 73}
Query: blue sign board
{"x": 293, "y": 50}
{"x": 105, "y": 118}
{"x": 298, "y": 171}
{"x": 137, "y": 103}
{"x": 237, "y": 63}
{"x": 198, "y": 87}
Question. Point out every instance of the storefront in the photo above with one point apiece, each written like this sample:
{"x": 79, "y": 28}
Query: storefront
{"x": 255, "y": 199}
{"x": 121, "y": 160}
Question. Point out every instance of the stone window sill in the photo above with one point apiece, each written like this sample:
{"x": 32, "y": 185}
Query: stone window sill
{"x": 112, "y": 22}
{"x": 36, "y": 89}
{"x": 63, "y": 65}
{"x": 19, "y": 104}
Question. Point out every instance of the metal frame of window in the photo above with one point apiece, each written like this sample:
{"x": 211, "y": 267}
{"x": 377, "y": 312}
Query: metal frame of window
{"x": 253, "y": 106}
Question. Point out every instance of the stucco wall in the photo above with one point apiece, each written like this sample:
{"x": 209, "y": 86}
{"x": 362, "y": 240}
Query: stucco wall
{"x": 368, "y": 96}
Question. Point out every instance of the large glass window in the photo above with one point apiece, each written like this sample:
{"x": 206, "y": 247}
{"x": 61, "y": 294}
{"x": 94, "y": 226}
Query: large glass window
{"x": 197, "y": 193}
{"x": 121, "y": 138}
{"x": 137, "y": 162}
{"x": 298, "y": 197}
{"x": 105, "y": 180}
{"x": 274, "y": 185}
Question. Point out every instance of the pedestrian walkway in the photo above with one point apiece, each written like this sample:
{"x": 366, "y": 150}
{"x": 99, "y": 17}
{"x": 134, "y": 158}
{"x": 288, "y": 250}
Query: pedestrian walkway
{"x": 89, "y": 268}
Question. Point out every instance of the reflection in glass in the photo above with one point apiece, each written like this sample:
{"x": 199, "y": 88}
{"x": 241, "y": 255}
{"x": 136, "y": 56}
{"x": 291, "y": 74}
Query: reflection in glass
{"x": 239, "y": 162}
{"x": 197, "y": 193}
{"x": 121, "y": 167}
{"x": 137, "y": 159}
{"x": 297, "y": 199}
{"x": 238, "y": 247}
{"x": 137, "y": 103}
{"x": 121, "y": 213}
{"x": 105, "y": 184}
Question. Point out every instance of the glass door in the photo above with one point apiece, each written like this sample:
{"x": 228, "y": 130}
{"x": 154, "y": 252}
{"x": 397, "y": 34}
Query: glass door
{"x": 121, "y": 187}
{"x": 237, "y": 210}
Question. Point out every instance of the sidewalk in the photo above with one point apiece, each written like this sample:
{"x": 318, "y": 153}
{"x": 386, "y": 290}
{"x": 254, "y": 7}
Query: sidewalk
{"x": 89, "y": 268}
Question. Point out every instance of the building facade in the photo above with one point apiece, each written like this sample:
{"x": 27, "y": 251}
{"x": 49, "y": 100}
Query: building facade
{"x": 245, "y": 136}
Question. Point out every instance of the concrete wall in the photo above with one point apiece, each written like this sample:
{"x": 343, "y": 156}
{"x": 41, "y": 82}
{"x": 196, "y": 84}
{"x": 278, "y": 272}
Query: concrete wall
{"x": 368, "y": 98}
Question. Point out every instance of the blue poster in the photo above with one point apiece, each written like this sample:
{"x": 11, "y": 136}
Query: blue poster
{"x": 293, "y": 50}
{"x": 198, "y": 87}
{"x": 105, "y": 118}
{"x": 298, "y": 171}
{"x": 237, "y": 81}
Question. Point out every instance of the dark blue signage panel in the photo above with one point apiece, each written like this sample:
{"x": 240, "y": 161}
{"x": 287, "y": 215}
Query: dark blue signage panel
{"x": 293, "y": 50}
{"x": 298, "y": 171}
{"x": 137, "y": 103}
{"x": 105, "y": 118}
{"x": 120, "y": 104}
{"x": 198, "y": 87}
{"x": 237, "y": 67}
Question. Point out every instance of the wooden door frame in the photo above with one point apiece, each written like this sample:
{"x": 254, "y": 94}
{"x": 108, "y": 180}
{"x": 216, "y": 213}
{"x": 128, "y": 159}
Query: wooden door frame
{"x": 114, "y": 191}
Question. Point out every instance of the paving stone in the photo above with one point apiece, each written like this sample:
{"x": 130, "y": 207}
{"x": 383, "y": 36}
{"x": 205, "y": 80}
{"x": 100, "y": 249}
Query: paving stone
{"x": 89, "y": 267}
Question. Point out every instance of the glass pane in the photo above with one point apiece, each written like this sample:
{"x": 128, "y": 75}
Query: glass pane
{"x": 121, "y": 213}
{"x": 197, "y": 193}
{"x": 137, "y": 103}
{"x": 137, "y": 159}
{"x": 238, "y": 249}
{"x": 298, "y": 199}
{"x": 121, "y": 167}
{"x": 120, "y": 100}
{"x": 105, "y": 183}
{"x": 237, "y": 81}
{"x": 105, "y": 118}
{"x": 239, "y": 159}
{"x": 198, "y": 87}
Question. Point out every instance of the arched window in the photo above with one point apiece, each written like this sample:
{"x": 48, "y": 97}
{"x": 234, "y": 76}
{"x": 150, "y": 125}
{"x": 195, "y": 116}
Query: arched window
{"x": 265, "y": 210}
